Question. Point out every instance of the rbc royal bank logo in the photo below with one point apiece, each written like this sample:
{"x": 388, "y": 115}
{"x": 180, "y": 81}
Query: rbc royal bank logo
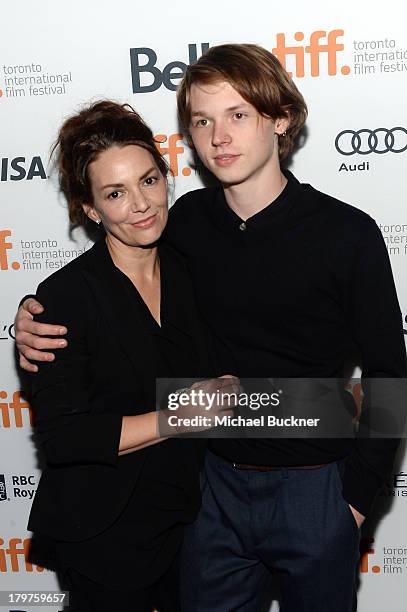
{"x": 3, "y": 489}
{"x": 313, "y": 55}
{"x": 23, "y": 486}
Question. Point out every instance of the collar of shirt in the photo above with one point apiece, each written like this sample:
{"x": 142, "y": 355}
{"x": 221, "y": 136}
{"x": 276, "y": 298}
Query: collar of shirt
{"x": 261, "y": 223}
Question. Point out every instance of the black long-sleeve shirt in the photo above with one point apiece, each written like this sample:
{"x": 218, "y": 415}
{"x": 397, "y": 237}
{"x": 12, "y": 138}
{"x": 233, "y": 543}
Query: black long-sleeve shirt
{"x": 297, "y": 290}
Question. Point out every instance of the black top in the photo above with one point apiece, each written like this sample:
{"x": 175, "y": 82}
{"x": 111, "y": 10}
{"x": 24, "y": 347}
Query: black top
{"x": 116, "y": 519}
{"x": 297, "y": 290}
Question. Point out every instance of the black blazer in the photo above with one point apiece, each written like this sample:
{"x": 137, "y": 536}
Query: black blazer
{"x": 107, "y": 371}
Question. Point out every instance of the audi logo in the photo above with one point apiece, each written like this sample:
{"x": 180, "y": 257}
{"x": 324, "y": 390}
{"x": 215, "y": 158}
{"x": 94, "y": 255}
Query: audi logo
{"x": 365, "y": 141}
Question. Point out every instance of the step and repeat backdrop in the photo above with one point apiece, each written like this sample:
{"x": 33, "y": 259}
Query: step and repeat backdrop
{"x": 350, "y": 62}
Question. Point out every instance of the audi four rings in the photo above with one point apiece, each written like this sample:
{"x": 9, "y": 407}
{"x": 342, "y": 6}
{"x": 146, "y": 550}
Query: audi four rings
{"x": 366, "y": 141}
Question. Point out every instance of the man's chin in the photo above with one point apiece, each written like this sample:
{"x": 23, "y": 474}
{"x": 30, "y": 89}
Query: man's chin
{"x": 227, "y": 178}
{"x": 232, "y": 183}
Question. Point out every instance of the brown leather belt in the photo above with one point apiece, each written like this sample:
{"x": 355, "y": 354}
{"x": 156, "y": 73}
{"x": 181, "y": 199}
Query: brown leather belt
{"x": 274, "y": 468}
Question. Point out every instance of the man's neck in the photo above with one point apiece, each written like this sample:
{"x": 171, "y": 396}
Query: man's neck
{"x": 253, "y": 195}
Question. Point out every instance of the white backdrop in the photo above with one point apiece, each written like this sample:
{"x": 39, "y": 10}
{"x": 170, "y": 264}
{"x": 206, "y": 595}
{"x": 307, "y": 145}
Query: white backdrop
{"x": 350, "y": 62}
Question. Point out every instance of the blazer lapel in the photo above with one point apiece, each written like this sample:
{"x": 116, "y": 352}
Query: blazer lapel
{"x": 121, "y": 315}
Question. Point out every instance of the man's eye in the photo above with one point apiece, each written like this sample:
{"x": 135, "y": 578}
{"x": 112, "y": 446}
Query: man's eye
{"x": 201, "y": 123}
{"x": 151, "y": 180}
{"x": 114, "y": 195}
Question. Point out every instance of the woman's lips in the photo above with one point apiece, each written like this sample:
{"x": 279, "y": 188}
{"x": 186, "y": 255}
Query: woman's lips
{"x": 146, "y": 223}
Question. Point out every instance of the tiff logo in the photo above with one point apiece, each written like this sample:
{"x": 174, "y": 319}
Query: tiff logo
{"x": 321, "y": 43}
{"x": 366, "y": 550}
{"x": 21, "y": 411}
{"x": 15, "y": 556}
{"x": 6, "y": 246}
{"x": 173, "y": 150}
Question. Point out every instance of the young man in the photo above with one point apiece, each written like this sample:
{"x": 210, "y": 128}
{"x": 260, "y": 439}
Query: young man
{"x": 293, "y": 283}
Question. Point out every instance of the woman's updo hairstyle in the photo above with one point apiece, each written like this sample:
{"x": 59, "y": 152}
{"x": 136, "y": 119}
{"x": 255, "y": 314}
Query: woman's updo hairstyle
{"x": 84, "y": 136}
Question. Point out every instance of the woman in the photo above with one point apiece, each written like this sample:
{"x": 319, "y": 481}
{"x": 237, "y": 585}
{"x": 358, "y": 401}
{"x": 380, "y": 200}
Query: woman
{"x": 111, "y": 503}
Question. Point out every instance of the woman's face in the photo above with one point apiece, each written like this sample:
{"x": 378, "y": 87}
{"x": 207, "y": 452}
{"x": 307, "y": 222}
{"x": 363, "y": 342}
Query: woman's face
{"x": 129, "y": 195}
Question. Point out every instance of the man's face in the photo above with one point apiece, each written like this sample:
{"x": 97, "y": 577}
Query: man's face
{"x": 235, "y": 142}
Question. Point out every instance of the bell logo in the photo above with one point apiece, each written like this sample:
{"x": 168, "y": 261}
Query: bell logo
{"x": 21, "y": 411}
{"x": 314, "y": 50}
{"x": 173, "y": 150}
{"x": 14, "y": 557}
{"x": 5, "y": 246}
{"x": 170, "y": 75}
{"x": 18, "y": 169}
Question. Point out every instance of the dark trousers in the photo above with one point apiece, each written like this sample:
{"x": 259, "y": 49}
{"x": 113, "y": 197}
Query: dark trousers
{"x": 292, "y": 526}
{"x": 88, "y": 596}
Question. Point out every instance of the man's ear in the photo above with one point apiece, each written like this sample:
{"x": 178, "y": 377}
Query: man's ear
{"x": 189, "y": 141}
{"x": 90, "y": 212}
{"x": 281, "y": 125}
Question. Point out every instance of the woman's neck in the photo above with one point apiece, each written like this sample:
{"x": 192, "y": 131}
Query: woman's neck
{"x": 135, "y": 262}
